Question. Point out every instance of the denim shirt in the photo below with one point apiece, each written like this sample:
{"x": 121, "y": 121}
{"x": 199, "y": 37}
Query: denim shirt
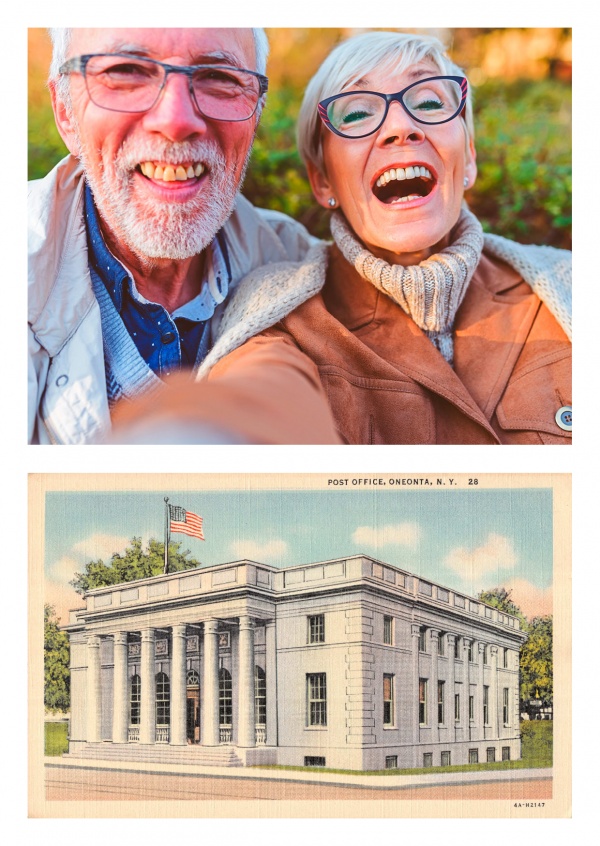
{"x": 166, "y": 342}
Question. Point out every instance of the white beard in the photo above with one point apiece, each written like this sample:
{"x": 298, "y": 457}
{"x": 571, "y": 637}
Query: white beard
{"x": 160, "y": 229}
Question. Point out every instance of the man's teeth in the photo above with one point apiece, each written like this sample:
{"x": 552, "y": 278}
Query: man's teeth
{"x": 171, "y": 173}
{"x": 403, "y": 173}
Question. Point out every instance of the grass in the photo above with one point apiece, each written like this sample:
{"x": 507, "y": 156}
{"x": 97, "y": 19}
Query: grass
{"x": 55, "y": 738}
{"x": 536, "y": 753}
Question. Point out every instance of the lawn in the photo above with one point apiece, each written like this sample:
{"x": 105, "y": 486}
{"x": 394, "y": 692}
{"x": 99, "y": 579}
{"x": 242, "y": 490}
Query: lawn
{"x": 55, "y": 738}
{"x": 536, "y": 752}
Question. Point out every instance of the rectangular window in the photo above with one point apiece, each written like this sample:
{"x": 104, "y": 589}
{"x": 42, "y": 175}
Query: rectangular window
{"x": 457, "y": 707}
{"x": 423, "y": 701}
{"x": 471, "y": 651}
{"x": 316, "y": 695}
{"x": 422, "y": 633}
{"x": 505, "y": 658}
{"x": 314, "y": 761}
{"x": 505, "y": 706}
{"x": 486, "y": 704}
{"x": 442, "y": 643}
{"x": 440, "y": 702}
{"x": 391, "y": 762}
{"x": 486, "y": 654}
{"x": 471, "y": 707}
{"x": 445, "y": 759}
{"x": 387, "y": 631}
{"x": 506, "y": 753}
{"x": 491, "y": 754}
{"x": 316, "y": 628}
{"x": 457, "y": 647}
{"x": 473, "y": 756}
{"x": 428, "y": 759}
{"x": 388, "y": 699}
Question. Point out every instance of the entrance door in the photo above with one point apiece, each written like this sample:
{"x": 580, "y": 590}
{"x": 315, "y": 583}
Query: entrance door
{"x": 193, "y": 715}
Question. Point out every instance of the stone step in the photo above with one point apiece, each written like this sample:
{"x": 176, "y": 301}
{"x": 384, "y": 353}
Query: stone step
{"x": 216, "y": 756}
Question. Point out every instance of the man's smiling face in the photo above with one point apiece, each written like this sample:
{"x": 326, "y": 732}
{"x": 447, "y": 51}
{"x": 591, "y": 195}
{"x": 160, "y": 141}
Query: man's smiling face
{"x": 129, "y": 158}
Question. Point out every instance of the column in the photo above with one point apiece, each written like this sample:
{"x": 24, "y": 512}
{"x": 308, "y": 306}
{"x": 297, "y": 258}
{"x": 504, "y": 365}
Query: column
{"x": 94, "y": 691}
{"x": 414, "y": 703}
{"x": 451, "y": 693}
{"x": 178, "y": 734}
{"x": 246, "y": 718}
{"x": 479, "y": 711}
{"x": 495, "y": 706}
{"x": 467, "y": 683}
{"x": 433, "y": 699}
{"x": 271, "y": 674}
{"x": 210, "y": 688}
{"x": 120, "y": 689}
{"x": 148, "y": 682}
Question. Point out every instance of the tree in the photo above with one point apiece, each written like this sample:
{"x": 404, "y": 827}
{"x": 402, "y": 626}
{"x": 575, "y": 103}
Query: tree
{"x": 56, "y": 663}
{"x": 134, "y": 563}
{"x": 536, "y": 662}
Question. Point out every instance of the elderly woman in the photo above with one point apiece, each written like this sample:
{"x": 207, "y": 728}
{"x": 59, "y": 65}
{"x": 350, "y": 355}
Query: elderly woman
{"x": 421, "y": 329}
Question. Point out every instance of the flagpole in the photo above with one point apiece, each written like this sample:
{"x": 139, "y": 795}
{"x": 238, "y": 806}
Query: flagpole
{"x": 167, "y": 521}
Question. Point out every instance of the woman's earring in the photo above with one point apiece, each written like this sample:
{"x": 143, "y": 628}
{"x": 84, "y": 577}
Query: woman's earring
{"x": 332, "y": 202}
{"x": 466, "y": 182}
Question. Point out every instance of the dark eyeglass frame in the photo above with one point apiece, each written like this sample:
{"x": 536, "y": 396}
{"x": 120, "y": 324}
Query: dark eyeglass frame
{"x": 398, "y": 97}
{"x": 78, "y": 64}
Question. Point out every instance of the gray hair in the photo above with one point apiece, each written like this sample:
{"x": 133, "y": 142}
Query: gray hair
{"x": 357, "y": 57}
{"x": 61, "y": 40}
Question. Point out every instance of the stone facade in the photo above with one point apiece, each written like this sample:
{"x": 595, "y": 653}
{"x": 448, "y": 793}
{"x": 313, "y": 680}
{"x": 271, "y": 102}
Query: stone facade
{"x": 349, "y": 663}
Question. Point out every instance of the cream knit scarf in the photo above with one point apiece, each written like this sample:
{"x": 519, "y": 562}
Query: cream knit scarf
{"x": 430, "y": 292}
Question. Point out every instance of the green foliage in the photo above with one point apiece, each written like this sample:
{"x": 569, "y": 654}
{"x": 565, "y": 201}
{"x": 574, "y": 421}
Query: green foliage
{"x": 56, "y": 663}
{"x": 536, "y": 662}
{"x": 135, "y": 563}
{"x": 46, "y": 147}
{"x": 55, "y": 739}
{"x": 523, "y": 142}
{"x": 537, "y": 743}
{"x": 499, "y": 598}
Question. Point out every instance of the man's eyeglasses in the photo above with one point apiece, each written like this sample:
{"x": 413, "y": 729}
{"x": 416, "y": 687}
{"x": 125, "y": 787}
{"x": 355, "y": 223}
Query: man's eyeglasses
{"x": 356, "y": 114}
{"x": 123, "y": 82}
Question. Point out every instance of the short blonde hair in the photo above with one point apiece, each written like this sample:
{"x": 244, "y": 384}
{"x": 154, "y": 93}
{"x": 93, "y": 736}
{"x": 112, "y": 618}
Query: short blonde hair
{"x": 357, "y": 57}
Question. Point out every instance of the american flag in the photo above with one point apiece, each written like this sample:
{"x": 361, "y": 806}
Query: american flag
{"x": 185, "y": 522}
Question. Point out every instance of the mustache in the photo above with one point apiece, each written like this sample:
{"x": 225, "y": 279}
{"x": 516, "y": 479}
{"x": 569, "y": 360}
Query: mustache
{"x": 133, "y": 152}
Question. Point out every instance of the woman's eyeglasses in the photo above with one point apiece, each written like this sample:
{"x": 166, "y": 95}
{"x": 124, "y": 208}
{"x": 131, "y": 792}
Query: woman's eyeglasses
{"x": 356, "y": 114}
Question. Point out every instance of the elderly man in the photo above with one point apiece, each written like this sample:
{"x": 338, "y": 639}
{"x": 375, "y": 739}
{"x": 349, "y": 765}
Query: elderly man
{"x": 139, "y": 236}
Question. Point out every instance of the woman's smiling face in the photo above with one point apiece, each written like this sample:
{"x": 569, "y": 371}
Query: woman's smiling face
{"x": 400, "y": 188}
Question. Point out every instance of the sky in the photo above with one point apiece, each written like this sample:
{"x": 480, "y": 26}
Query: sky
{"x": 466, "y": 539}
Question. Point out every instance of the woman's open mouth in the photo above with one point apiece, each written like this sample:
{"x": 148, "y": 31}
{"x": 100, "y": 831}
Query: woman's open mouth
{"x": 402, "y": 185}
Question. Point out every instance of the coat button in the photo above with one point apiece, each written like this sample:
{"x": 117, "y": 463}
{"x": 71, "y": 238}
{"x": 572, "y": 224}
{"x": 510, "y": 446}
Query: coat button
{"x": 564, "y": 418}
{"x": 168, "y": 337}
{"x": 62, "y": 380}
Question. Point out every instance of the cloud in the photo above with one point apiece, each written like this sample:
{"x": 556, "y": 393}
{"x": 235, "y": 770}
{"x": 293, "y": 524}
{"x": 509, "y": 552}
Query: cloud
{"x": 271, "y": 550}
{"x": 533, "y": 601}
{"x": 398, "y": 534}
{"x": 100, "y": 546}
{"x": 497, "y": 553}
{"x": 63, "y": 570}
{"x": 63, "y": 598}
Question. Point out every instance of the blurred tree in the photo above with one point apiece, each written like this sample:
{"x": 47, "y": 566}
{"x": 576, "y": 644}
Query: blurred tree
{"x": 536, "y": 665}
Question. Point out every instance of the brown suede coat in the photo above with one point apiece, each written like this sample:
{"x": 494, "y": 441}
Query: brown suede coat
{"x": 387, "y": 384}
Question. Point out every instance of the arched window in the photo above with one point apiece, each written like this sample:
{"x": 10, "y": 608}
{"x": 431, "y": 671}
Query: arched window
{"x": 225, "y": 698}
{"x": 260, "y": 696}
{"x": 135, "y": 700}
{"x": 163, "y": 700}
{"x": 192, "y": 679}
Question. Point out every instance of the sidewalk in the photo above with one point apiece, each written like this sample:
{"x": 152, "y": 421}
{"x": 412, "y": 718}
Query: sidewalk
{"x": 313, "y": 776}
